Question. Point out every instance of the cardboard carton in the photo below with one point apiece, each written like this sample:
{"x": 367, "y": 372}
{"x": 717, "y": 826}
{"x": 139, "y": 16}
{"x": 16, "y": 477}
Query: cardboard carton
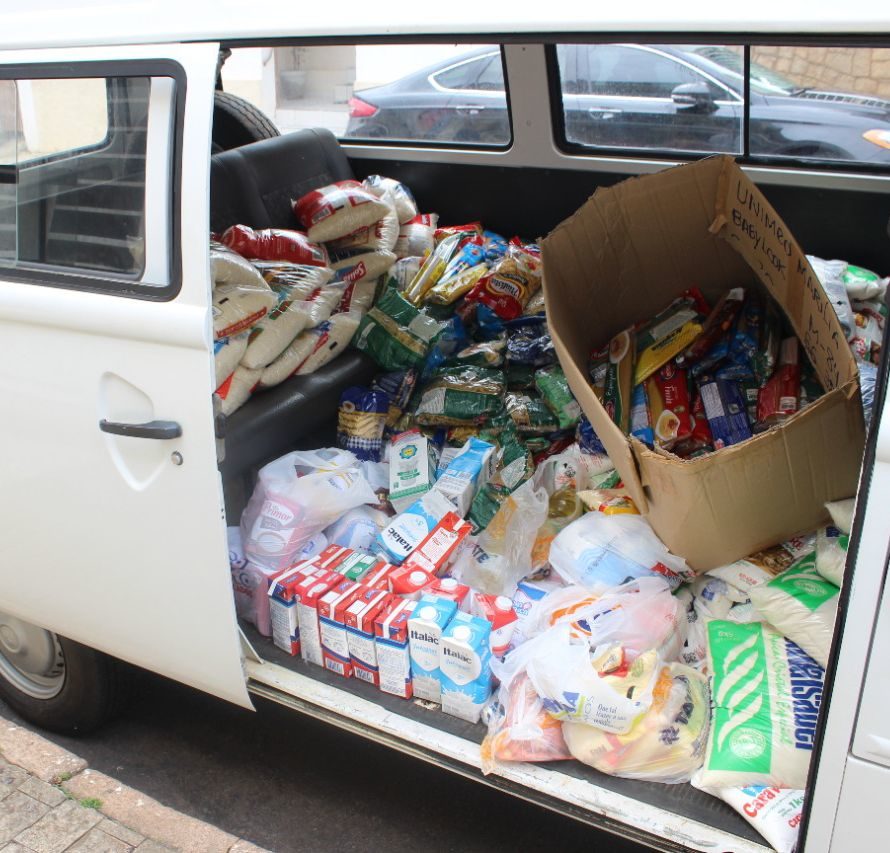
{"x": 620, "y": 259}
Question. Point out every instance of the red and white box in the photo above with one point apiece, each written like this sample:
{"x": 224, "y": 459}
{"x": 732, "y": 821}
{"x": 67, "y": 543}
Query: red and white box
{"x": 378, "y": 577}
{"x": 450, "y": 588}
{"x": 436, "y": 552}
{"x": 410, "y": 582}
{"x": 331, "y": 628}
{"x": 284, "y": 598}
{"x": 391, "y": 642}
{"x": 310, "y": 635}
{"x": 497, "y": 609}
{"x": 359, "y": 619}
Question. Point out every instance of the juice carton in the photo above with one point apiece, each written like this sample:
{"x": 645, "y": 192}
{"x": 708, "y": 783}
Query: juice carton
{"x": 498, "y": 611}
{"x": 467, "y": 473}
{"x": 410, "y": 582}
{"x": 412, "y": 468}
{"x": 436, "y": 552}
{"x": 378, "y": 576}
{"x": 425, "y": 628}
{"x": 450, "y": 588}
{"x": 391, "y": 645}
{"x": 331, "y": 627}
{"x": 465, "y": 666}
{"x": 408, "y": 529}
{"x": 310, "y": 634}
{"x": 359, "y": 618}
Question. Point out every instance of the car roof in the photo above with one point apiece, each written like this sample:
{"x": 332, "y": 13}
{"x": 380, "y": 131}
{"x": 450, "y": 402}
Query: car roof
{"x": 63, "y": 23}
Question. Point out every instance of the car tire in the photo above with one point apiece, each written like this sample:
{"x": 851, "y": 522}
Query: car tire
{"x": 74, "y": 690}
{"x": 237, "y": 122}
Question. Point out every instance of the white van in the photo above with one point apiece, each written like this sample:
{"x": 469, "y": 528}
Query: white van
{"x": 119, "y": 152}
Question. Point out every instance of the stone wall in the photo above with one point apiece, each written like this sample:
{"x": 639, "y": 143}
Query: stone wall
{"x": 865, "y": 71}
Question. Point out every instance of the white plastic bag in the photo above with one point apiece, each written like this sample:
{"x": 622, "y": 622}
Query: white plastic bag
{"x": 331, "y": 339}
{"x": 381, "y": 236}
{"x": 338, "y": 209}
{"x": 297, "y": 496}
{"x": 358, "y": 528}
{"x": 602, "y": 551}
{"x": 842, "y": 514}
{"x": 831, "y": 553}
{"x": 831, "y": 275}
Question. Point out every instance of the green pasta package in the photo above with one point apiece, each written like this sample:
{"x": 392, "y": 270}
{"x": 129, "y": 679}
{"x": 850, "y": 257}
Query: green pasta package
{"x": 461, "y": 395}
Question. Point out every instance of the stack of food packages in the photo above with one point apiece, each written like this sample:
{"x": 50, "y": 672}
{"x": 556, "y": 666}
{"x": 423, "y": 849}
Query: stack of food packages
{"x": 470, "y": 534}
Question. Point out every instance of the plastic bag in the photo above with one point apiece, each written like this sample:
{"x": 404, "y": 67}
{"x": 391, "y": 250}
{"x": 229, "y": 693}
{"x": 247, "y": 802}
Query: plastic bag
{"x": 297, "y": 496}
{"x": 338, "y": 209}
{"x": 358, "y": 528}
{"x": 831, "y": 275}
{"x": 402, "y": 200}
{"x": 381, "y": 236}
{"x": 802, "y": 605}
{"x": 305, "y": 286}
{"x": 842, "y": 514}
{"x": 501, "y": 555}
{"x": 274, "y": 244}
{"x": 831, "y": 553}
{"x": 554, "y": 389}
{"x": 461, "y": 395}
{"x": 510, "y": 283}
{"x": 666, "y": 744}
{"x": 227, "y": 353}
{"x": 868, "y": 380}
{"x": 601, "y": 551}
{"x": 361, "y": 421}
{"x": 530, "y": 414}
{"x": 236, "y": 390}
{"x": 240, "y": 296}
{"x": 287, "y": 364}
{"x": 396, "y": 334}
{"x": 766, "y": 698}
{"x": 432, "y": 269}
{"x": 357, "y": 264}
{"x": 416, "y": 237}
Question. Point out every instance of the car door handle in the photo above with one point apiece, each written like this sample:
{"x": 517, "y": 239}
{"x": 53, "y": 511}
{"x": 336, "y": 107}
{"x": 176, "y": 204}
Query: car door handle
{"x": 163, "y": 430}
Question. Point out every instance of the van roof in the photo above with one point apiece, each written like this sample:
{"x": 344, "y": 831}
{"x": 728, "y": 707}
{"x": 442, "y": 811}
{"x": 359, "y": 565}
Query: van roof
{"x": 65, "y": 23}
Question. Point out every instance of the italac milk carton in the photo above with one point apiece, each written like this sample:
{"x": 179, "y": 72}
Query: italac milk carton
{"x": 467, "y": 473}
{"x": 332, "y": 628}
{"x": 465, "y": 666}
{"x": 412, "y": 468}
{"x": 436, "y": 552}
{"x": 359, "y": 618}
{"x": 391, "y": 645}
{"x": 409, "y": 528}
{"x": 310, "y": 634}
{"x": 425, "y": 628}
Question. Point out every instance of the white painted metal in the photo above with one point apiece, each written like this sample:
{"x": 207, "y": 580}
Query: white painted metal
{"x": 106, "y": 540}
{"x": 375, "y": 721}
{"x": 860, "y": 826}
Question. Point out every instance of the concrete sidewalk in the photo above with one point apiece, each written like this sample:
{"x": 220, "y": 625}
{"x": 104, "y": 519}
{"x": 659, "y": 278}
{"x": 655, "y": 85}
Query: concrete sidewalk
{"x": 51, "y": 802}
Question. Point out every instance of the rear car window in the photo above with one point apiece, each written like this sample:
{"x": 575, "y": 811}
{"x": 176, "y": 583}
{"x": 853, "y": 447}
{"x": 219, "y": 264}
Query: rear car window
{"x": 73, "y": 185}
{"x": 435, "y": 93}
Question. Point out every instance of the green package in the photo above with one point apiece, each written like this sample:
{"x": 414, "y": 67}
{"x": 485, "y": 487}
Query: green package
{"x": 554, "y": 389}
{"x": 461, "y": 395}
{"x": 485, "y": 505}
{"x": 530, "y": 414}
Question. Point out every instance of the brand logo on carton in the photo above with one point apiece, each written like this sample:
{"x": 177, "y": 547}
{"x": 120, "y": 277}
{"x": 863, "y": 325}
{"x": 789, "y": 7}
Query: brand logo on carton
{"x": 423, "y": 637}
{"x": 456, "y": 653}
{"x": 277, "y": 511}
{"x": 408, "y": 451}
{"x": 806, "y": 694}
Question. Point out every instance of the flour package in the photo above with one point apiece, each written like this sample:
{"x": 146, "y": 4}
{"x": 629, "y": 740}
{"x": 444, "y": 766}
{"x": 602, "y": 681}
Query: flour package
{"x": 337, "y": 210}
{"x": 802, "y": 605}
{"x": 766, "y": 694}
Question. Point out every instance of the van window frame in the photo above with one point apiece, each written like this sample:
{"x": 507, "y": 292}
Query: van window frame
{"x": 99, "y": 281}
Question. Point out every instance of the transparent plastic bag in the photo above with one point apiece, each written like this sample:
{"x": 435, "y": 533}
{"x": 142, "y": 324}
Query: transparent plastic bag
{"x": 297, "y": 496}
{"x": 338, "y": 209}
{"x": 227, "y": 354}
{"x": 600, "y": 551}
{"x": 399, "y": 195}
{"x": 240, "y": 295}
{"x": 236, "y": 390}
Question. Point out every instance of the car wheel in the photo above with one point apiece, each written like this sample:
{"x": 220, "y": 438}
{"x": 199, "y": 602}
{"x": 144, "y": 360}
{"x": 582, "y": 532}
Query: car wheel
{"x": 54, "y": 682}
{"x": 237, "y": 122}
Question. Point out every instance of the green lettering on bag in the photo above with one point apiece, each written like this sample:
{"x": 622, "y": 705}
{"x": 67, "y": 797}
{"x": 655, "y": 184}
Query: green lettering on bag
{"x": 804, "y": 583}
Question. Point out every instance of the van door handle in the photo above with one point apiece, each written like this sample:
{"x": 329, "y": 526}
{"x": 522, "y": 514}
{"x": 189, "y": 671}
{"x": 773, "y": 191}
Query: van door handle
{"x": 163, "y": 430}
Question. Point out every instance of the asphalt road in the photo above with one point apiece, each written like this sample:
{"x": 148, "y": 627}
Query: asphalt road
{"x": 290, "y": 783}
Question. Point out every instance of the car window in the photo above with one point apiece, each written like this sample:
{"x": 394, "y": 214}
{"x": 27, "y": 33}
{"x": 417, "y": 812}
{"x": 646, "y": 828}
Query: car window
{"x": 403, "y": 92}
{"x": 632, "y": 72}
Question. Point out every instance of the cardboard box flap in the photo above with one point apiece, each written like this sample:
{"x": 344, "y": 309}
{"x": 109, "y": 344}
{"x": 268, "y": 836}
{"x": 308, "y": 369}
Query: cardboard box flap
{"x": 750, "y": 225}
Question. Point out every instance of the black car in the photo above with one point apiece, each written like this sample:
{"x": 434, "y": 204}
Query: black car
{"x": 684, "y": 98}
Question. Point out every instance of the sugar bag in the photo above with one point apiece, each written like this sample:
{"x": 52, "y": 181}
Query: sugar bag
{"x": 331, "y": 339}
{"x": 240, "y": 295}
{"x": 287, "y": 364}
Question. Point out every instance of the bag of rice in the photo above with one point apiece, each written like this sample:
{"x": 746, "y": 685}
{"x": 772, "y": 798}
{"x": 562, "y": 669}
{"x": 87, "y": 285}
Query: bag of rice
{"x": 331, "y": 339}
{"x": 842, "y": 514}
{"x": 416, "y": 237}
{"x": 274, "y": 244}
{"x": 831, "y": 553}
{"x": 351, "y": 265}
{"x": 227, "y": 353}
{"x": 461, "y": 395}
{"x": 358, "y": 296}
{"x": 802, "y": 605}
{"x": 240, "y": 295}
{"x": 381, "y": 236}
{"x": 401, "y": 197}
{"x": 286, "y": 365}
{"x": 360, "y": 422}
{"x": 236, "y": 390}
{"x": 766, "y": 694}
{"x": 337, "y": 210}
{"x": 395, "y": 334}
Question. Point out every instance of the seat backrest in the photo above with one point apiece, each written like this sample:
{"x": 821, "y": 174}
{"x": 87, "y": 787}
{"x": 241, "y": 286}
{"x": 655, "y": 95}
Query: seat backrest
{"x": 255, "y": 184}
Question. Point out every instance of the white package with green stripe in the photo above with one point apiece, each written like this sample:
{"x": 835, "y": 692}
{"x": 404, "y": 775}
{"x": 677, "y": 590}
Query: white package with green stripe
{"x": 802, "y": 605}
{"x": 766, "y": 693}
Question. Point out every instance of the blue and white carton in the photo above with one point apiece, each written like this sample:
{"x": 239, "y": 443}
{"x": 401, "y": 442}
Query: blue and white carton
{"x": 429, "y": 619}
{"x": 468, "y": 472}
{"x": 409, "y": 528}
{"x": 465, "y": 666}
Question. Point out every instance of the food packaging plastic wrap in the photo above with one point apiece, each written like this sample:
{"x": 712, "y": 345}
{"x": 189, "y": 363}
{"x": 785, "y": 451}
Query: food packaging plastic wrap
{"x": 831, "y": 553}
{"x": 416, "y": 237}
{"x": 227, "y": 354}
{"x": 274, "y": 244}
{"x": 381, "y": 236}
{"x": 399, "y": 195}
{"x": 461, "y": 395}
{"x": 331, "y": 340}
{"x": 240, "y": 295}
{"x": 236, "y": 390}
{"x": 358, "y": 528}
{"x": 361, "y": 421}
{"x": 338, "y": 209}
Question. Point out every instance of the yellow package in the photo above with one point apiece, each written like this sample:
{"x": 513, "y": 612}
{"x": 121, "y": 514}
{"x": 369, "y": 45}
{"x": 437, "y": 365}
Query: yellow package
{"x": 449, "y": 290}
{"x": 662, "y": 351}
{"x": 608, "y": 502}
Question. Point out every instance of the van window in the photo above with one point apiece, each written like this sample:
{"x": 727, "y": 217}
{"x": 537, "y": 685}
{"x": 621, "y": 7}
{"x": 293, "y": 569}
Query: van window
{"x": 73, "y": 175}
{"x": 436, "y": 93}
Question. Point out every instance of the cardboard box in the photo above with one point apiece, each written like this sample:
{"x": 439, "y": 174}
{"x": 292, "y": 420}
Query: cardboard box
{"x": 620, "y": 259}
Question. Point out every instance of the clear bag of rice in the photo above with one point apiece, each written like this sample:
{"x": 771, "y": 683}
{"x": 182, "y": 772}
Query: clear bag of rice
{"x": 274, "y": 244}
{"x": 379, "y": 237}
{"x": 331, "y": 339}
{"x": 402, "y": 199}
{"x": 227, "y": 354}
{"x": 236, "y": 390}
{"x": 240, "y": 295}
{"x": 338, "y": 209}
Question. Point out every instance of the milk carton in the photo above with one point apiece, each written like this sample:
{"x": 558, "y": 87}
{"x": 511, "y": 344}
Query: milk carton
{"x": 498, "y": 611}
{"x": 447, "y": 456}
{"x": 527, "y": 593}
{"x": 410, "y": 582}
{"x": 356, "y": 565}
{"x": 359, "y": 618}
{"x": 412, "y": 468}
{"x": 307, "y": 607}
{"x": 332, "y": 629}
{"x": 378, "y": 576}
{"x": 465, "y": 666}
{"x": 408, "y": 529}
{"x": 284, "y": 598}
{"x": 450, "y": 588}
{"x": 439, "y": 548}
{"x": 391, "y": 645}
{"x": 467, "y": 473}
{"x": 425, "y": 628}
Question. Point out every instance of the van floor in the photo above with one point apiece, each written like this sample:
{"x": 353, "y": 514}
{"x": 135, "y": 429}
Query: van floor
{"x": 681, "y": 799}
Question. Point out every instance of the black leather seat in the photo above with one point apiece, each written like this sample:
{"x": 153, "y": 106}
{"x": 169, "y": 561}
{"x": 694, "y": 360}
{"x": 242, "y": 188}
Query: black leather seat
{"x": 254, "y": 185}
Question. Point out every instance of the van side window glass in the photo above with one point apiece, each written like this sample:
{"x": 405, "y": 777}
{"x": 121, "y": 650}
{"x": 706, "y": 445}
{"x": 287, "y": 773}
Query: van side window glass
{"x": 668, "y": 98}
{"x": 73, "y": 175}
{"x": 820, "y": 103}
{"x": 436, "y": 93}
